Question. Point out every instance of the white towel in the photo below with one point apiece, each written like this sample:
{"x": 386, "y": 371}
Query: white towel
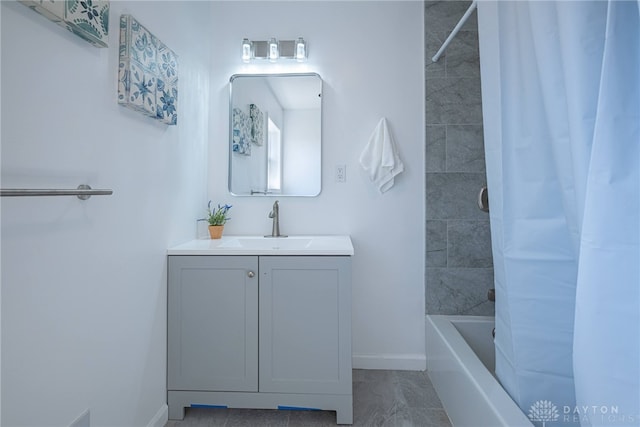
{"x": 380, "y": 159}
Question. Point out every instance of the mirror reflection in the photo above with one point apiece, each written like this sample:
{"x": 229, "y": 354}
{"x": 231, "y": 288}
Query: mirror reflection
{"x": 275, "y": 135}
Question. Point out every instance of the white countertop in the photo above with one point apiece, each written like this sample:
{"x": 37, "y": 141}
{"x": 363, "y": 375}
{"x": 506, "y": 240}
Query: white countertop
{"x": 259, "y": 245}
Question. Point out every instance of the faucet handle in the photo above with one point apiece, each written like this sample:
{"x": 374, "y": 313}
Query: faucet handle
{"x": 275, "y": 215}
{"x": 274, "y": 210}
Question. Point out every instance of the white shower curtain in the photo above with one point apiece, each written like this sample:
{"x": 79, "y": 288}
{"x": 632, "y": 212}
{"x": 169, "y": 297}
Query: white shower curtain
{"x": 561, "y": 106}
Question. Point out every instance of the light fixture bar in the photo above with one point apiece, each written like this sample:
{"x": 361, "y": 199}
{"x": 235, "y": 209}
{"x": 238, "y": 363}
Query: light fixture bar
{"x": 274, "y": 50}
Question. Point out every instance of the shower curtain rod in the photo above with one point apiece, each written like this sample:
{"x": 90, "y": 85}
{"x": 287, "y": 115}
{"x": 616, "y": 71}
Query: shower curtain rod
{"x": 455, "y": 31}
{"x": 83, "y": 192}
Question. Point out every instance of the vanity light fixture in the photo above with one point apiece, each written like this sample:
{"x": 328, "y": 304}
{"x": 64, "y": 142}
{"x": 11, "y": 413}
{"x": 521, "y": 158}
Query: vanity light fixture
{"x": 274, "y": 50}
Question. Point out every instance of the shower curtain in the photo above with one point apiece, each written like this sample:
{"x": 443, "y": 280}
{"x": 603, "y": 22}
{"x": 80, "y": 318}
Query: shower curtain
{"x": 561, "y": 106}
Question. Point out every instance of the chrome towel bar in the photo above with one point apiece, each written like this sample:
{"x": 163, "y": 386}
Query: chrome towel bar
{"x": 83, "y": 192}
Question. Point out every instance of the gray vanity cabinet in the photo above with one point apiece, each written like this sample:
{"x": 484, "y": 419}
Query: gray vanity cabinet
{"x": 213, "y": 323}
{"x": 260, "y": 332}
{"x": 304, "y": 303}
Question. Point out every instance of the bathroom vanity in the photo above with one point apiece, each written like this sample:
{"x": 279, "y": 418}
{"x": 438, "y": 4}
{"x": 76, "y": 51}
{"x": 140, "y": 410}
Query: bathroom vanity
{"x": 258, "y": 322}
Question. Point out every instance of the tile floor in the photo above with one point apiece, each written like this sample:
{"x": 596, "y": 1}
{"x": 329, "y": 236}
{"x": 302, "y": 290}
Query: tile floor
{"x": 380, "y": 398}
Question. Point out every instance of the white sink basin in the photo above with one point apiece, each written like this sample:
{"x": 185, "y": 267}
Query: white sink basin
{"x": 259, "y": 245}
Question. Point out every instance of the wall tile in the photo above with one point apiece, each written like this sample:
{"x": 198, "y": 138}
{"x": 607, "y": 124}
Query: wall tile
{"x": 458, "y": 273}
{"x": 436, "y": 148}
{"x": 461, "y": 57}
{"x": 469, "y": 244}
{"x": 457, "y": 290}
{"x": 442, "y": 16}
{"x": 454, "y": 195}
{"x": 453, "y": 101}
{"x": 436, "y": 243}
{"x": 487, "y": 308}
{"x": 464, "y": 149}
{"x": 433, "y": 41}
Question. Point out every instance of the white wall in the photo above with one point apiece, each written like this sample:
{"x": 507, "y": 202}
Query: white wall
{"x": 84, "y": 282}
{"x": 370, "y": 55}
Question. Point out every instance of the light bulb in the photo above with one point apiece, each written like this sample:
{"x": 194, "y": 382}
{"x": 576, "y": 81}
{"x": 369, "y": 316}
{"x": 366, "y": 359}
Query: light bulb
{"x": 301, "y": 50}
{"x": 273, "y": 50}
{"x": 246, "y": 50}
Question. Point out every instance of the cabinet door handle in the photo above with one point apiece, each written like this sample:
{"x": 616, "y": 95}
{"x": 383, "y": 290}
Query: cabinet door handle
{"x": 251, "y": 274}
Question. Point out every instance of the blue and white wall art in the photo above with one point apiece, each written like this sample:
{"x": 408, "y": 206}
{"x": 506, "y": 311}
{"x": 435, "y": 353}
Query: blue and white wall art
{"x": 257, "y": 124}
{"x": 148, "y": 73}
{"x": 88, "y": 19}
{"x": 241, "y": 123}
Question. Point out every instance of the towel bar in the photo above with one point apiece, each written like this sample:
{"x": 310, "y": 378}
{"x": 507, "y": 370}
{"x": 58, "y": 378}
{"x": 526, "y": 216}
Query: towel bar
{"x": 83, "y": 192}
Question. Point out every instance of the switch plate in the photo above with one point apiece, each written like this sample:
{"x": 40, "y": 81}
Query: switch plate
{"x": 341, "y": 173}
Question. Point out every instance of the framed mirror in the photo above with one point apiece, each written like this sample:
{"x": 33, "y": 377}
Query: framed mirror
{"x": 275, "y": 134}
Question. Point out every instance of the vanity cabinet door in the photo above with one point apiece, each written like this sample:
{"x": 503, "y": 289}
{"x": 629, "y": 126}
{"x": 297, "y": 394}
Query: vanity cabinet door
{"x": 305, "y": 324}
{"x": 213, "y": 323}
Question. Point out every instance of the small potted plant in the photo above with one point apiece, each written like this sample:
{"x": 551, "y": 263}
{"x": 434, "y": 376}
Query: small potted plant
{"x": 217, "y": 217}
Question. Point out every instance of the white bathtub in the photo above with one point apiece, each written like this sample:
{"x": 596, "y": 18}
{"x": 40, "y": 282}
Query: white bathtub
{"x": 460, "y": 363}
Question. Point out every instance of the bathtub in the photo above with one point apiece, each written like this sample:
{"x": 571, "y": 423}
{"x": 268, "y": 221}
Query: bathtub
{"x": 460, "y": 363}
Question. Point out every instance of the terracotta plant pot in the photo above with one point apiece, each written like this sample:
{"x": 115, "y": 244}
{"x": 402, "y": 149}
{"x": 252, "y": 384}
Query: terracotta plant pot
{"x": 215, "y": 231}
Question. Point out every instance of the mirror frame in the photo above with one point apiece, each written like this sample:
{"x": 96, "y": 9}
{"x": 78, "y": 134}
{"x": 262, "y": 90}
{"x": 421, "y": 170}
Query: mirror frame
{"x": 230, "y": 133}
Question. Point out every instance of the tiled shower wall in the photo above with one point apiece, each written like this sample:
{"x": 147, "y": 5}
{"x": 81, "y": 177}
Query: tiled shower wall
{"x": 459, "y": 269}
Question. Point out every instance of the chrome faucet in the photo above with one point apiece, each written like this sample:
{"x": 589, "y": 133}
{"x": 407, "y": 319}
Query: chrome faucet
{"x": 275, "y": 215}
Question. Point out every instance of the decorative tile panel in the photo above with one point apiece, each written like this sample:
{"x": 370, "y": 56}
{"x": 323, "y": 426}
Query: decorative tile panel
{"x": 257, "y": 124}
{"x": 148, "y": 73}
{"x": 88, "y": 19}
{"x": 241, "y": 132}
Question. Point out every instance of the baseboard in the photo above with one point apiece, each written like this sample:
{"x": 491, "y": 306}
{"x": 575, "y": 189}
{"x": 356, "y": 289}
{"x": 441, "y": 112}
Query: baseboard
{"x": 160, "y": 418}
{"x": 401, "y": 362}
